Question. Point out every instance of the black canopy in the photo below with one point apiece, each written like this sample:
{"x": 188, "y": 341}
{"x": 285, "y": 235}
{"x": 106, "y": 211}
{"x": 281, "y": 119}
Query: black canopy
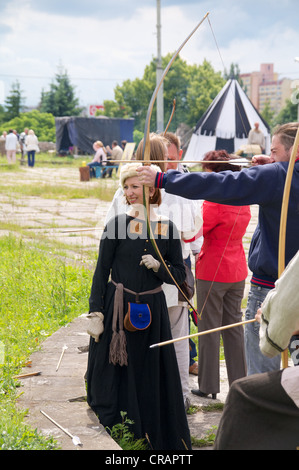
{"x": 82, "y": 132}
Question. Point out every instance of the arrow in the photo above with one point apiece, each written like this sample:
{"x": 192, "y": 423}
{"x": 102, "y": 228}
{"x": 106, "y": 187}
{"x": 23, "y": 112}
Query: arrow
{"x": 75, "y": 439}
{"x": 206, "y": 332}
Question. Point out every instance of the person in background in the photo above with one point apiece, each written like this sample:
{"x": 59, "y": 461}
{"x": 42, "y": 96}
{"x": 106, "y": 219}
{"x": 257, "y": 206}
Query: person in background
{"x": 256, "y": 137}
{"x": 2, "y": 143}
{"x": 262, "y": 411}
{"x": 221, "y": 270}
{"x": 31, "y": 143}
{"x": 11, "y": 143}
{"x": 99, "y": 159}
{"x": 112, "y": 154}
{"x": 186, "y": 215}
{"x": 22, "y": 138}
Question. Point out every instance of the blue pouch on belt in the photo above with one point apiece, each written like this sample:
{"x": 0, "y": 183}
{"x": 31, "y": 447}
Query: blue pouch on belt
{"x": 138, "y": 317}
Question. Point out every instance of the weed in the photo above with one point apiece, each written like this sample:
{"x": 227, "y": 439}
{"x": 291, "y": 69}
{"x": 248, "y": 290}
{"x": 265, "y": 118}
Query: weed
{"x": 121, "y": 434}
{"x": 207, "y": 440}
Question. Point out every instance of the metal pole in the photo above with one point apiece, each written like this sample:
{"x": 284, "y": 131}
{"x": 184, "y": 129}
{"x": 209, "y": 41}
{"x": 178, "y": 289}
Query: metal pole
{"x": 159, "y": 73}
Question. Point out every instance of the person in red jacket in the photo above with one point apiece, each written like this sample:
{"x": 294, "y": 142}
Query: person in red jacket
{"x": 221, "y": 270}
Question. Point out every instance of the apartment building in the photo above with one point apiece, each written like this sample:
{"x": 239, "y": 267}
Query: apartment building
{"x": 264, "y": 87}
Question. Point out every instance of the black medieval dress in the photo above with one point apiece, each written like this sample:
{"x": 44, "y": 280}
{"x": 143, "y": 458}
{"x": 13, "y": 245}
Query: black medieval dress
{"x": 148, "y": 388}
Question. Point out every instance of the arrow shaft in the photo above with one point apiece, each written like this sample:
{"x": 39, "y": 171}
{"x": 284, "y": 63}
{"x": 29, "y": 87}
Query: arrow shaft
{"x": 201, "y": 333}
{"x": 200, "y": 162}
{"x": 57, "y": 424}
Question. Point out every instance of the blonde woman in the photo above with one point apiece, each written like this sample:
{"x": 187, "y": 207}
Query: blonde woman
{"x": 124, "y": 374}
{"x": 31, "y": 143}
{"x": 99, "y": 159}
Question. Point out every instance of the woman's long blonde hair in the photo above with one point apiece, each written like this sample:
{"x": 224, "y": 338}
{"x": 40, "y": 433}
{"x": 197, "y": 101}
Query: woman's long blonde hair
{"x": 158, "y": 149}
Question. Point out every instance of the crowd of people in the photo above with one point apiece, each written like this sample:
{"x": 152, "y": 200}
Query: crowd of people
{"x": 107, "y": 157}
{"x": 26, "y": 142}
{"x": 136, "y": 297}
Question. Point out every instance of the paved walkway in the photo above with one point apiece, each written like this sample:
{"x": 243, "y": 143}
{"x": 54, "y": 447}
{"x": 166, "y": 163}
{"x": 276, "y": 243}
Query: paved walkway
{"x": 59, "y": 392}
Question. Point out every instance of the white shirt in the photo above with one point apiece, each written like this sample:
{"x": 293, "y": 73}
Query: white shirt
{"x": 280, "y": 320}
{"x": 11, "y": 141}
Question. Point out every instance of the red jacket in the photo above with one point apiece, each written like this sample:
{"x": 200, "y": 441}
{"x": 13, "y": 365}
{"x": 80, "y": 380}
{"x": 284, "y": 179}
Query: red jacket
{"x": 222, "y": 257}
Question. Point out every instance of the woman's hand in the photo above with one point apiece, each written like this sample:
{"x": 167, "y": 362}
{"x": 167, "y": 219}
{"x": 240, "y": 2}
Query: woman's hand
{"x": 150, "y": 262}
{"x": 96, "y": 325}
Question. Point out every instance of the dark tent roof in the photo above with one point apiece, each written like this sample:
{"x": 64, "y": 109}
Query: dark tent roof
{"x": 226, "y": 123}
{"x": 82, "y": 132}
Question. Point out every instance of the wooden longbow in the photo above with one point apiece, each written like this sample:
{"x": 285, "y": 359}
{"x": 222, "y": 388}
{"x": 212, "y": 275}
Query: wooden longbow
{"x": 283, "y": 223}
{"x": 146, "y": 158}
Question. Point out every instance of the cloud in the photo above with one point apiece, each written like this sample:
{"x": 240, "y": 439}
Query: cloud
{"x": 103, "y": 43}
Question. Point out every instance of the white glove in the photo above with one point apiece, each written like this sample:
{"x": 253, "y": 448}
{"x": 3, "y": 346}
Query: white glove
{"x": 96, "y": 325}
{"x": 150, "y": 262}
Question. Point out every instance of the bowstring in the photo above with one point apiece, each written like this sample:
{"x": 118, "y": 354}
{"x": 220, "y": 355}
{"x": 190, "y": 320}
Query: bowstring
{"x": 219, "y": 52}
{"x": 217, "y": 269}
{"x": 199, "y": 315}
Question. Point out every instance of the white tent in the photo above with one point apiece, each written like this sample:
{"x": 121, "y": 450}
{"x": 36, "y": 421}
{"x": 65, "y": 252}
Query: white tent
{"x": 226, "y": 124}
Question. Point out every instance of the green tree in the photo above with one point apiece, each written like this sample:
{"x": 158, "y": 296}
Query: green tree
{"x": 2, "y": 113}
{"x": 43, "y": 125}
{"x": 60, "y": 100}
{"x": 14, "y": 102}
{"x": 131, "y": 100}
{"x": 234, "y": 72}
{"x": 204, "y": 87}
{"x": 193, "y": 87}
{"x": 287, "y": 114}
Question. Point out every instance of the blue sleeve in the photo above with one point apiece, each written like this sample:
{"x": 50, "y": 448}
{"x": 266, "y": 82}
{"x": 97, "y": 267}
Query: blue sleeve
{"x": 255, "y": 185}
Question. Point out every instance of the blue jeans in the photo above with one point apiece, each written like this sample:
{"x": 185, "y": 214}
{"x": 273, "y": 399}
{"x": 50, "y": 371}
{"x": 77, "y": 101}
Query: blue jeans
{"x": 256, "y": 361}
{"x": 92, "y": 166}
{"x": 31, "y": 157}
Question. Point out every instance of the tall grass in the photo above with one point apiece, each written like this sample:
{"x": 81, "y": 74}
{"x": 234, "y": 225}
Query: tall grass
{"x": 38, "y": 294}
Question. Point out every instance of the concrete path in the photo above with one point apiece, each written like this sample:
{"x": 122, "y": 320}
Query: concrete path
{"x": 59, "y": 392}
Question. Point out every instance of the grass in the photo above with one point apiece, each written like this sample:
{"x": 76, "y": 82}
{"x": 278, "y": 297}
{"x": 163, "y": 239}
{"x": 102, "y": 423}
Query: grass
{"x": 102, "y": 189}
{"x": 39, "y": 294}
{"x": 45, "y": 158}
{"x": 60, "y": 192}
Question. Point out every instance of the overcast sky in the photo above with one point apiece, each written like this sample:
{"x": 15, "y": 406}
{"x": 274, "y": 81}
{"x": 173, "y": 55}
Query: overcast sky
{"x": 101, "y": 43}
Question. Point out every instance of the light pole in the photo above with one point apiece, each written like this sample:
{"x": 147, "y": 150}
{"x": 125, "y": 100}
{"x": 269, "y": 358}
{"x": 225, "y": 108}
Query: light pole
{"x": 296, "y": 59}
